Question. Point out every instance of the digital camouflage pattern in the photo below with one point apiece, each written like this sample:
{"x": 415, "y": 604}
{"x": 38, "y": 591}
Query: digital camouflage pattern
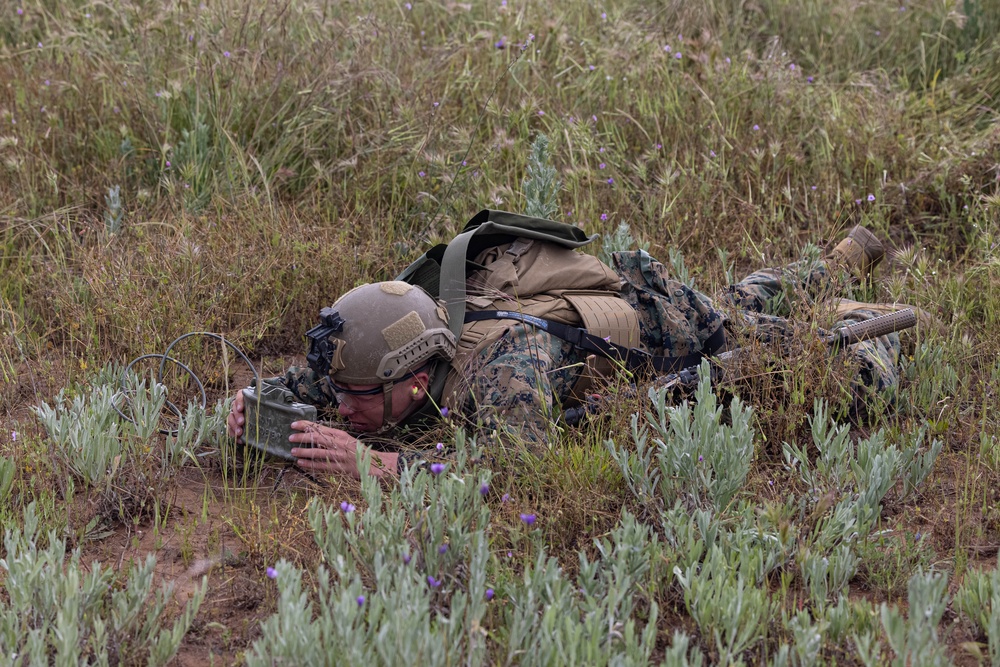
{"x": 518, "y": 383}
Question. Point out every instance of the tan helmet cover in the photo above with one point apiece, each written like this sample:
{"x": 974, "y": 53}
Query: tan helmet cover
{"x": 389, "y": 329}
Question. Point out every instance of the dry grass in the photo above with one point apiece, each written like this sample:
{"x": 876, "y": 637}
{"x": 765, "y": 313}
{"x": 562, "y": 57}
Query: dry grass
{"x": 272, "y": 155}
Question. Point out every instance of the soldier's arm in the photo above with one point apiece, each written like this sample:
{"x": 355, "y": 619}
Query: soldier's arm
{"x": 514, "y": 384}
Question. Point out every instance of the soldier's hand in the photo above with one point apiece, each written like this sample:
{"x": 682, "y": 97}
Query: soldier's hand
{"x": 334, "y": 451}
{"x": 234, "y": 422}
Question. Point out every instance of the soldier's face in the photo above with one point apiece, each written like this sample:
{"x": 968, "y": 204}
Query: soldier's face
{"x": 365, "y": 412}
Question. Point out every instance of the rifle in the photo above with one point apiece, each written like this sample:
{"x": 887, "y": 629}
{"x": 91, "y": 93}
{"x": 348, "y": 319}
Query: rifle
{"x": 687, "y": 379}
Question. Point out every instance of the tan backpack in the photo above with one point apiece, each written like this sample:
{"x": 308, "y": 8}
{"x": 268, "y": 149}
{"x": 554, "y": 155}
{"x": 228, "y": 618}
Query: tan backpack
{"x": 529, "y": 268}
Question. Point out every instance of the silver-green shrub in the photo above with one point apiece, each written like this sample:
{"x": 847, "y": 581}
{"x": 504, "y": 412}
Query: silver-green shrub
{"x": 58, "y": 612}
{"x": 85, "y": 433}
{"x": 826, "y": 576}
{"x": 732, "y": 611}
{"x": 404, "y": 581}
{"x": 913, "y": 639}
{"x": 978, "y": 598}
{"x": 621, "y": 239}
{"x": 694, "y": 455}
{"x": 95, "y": 443}
{"x": 930, "y": 378}
{"x": 6, "y": 478}
{"x": 541, "y": 185}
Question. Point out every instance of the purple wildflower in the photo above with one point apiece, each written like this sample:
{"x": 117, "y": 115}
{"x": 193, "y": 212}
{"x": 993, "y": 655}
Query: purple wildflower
{"x": 659, "y": 146}
{"x": 13, "y": 436}
{"x": 361, "y": 600}
{"x": 611, "y": 181}
{"x": 871, "y": 197}
{"x": 406, "y": 559}
{"x": 436, "y": 103}
{"x": 756, "y": 127}
{"x": 700, "y": 458}
{"x": 271, "y": 573}
{"x": 484, "y": 488}
{"x": 604, "y": 16}
{"x": 47, "y": 82}
{"x": 444, "y": 410}
{"x": 346, "y": 507}
{"x": 594, "y": 118}
{"x": 408, "y": 6}
{"x": 592, "y": 67}
{"x": 20, "y": 12}
{"x": 666, "y": 47}
{"x": 421, "y": 173}
{"x": 437, "y": 468}
{"x": 857, "y": 201}
{"x": 432, "y": 582}
{"x": 792, "y": 67}
{"x": 464, "y": 163}
{"x": 439, "y": 446}
{"x": 728, "y": 60}
{"x": 510, "y": 554}
{"x": 489, "y": 594}
{"x": 602, "y": 165}
{"x": 528, "y": 519}
{"x": 505, "y": 498}
{"x": 541, "y": 113}
{"x": 711, "y": 153}
{"x": 604, "y": 216}
{"x": 601, "y": 149}
{"x": 443, "y": 549}
{"x": 809, "y": 79}
{"x": 226, "y": 54}
{"x": 678, "y": 55}
{"x": 39, "y": 45}
{"x": 168, "y": 164}
{"x": 813, "y": 188}
{"x": 500, "y": 43}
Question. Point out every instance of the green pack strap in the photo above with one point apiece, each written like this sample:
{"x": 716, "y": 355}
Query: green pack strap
{"x": 499, "y": 224}
{"x": 452, "y": 289}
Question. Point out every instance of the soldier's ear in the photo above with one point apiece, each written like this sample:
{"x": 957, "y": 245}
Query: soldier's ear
{"x": 419, "y": 384}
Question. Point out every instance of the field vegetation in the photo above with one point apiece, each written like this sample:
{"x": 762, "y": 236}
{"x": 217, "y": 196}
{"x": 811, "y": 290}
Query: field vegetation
{"x": 232, "y": 167}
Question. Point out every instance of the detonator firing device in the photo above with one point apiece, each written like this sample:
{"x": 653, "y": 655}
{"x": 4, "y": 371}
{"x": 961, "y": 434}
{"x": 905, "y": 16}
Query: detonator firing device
{"x": 269, "y": 410}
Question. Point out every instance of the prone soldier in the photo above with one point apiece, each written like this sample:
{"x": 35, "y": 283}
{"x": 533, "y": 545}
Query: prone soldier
{"x": 391, "y": 354}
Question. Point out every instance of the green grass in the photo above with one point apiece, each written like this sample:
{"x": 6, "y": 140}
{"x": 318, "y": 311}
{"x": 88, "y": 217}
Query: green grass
{"x": 272, "y": 155}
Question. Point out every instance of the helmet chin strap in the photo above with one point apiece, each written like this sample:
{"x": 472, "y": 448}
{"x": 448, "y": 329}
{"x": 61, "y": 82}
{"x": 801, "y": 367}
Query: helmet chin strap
{"x": 388, "y": 423}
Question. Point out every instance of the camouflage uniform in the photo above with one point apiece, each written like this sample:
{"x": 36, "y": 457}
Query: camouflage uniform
{"x": 518, "y": 383}
{"x": 764, "y": 298}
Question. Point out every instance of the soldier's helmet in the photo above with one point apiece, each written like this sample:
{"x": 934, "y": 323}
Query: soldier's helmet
{"x": 379, "y": 332}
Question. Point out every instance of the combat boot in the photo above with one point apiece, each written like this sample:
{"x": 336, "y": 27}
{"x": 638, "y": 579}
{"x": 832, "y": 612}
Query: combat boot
{"x": 860, "y": 252}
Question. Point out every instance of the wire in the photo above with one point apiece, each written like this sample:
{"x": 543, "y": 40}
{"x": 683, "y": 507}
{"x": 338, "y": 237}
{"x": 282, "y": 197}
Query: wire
{"x": 164, "y": 358}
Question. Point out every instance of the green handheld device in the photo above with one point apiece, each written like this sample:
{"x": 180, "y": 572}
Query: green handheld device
{"x": 269, "y": 418}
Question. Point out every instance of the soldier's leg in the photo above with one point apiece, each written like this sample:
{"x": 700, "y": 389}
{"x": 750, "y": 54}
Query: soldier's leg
{"x": 874, "y": 363}
{"x": 773, "y": 291}
{"x": 877, "y": 382}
